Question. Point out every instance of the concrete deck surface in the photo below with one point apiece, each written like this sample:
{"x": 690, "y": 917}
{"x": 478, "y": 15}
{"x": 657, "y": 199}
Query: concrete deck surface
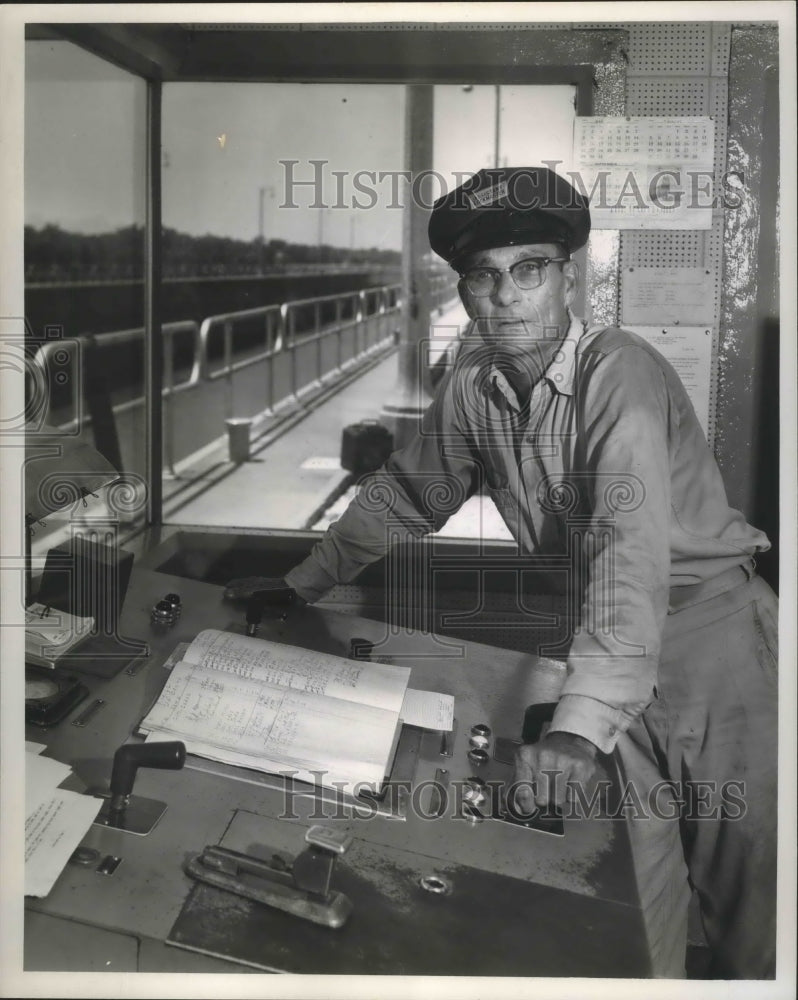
{"x": 295, "y": 481}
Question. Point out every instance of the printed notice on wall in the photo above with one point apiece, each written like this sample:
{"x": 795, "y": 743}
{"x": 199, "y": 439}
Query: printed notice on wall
{"x": 667, "y": 295}
{"x": 689, "y": 350}
{"x": 647, "y": 173}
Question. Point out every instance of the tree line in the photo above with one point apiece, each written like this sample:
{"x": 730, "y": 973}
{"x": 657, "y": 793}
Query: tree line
{"x": 53, "y": 254}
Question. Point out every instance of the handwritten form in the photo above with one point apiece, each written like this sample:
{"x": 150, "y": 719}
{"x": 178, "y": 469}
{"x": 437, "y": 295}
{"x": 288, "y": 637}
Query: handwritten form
{"x": 280, "y": 708}
{"x": 56, "y": 821}
{"x": 382, "y": 685}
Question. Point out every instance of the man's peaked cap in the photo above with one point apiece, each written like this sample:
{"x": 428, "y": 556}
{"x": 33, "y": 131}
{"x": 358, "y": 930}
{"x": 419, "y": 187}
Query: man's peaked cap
{"x": 508, "y": 207}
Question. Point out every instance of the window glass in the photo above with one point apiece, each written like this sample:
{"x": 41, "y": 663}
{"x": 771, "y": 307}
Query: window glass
{"x": 283, "y": 208}
{"x": 85, "y": 123}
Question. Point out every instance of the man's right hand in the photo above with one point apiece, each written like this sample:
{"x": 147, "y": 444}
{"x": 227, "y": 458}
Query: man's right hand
{"x": 543, "y": 770}
{"x": 242, "y": 588}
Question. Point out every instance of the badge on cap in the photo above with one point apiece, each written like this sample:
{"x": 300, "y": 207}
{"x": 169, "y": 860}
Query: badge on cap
{"x": 487, "y": 196}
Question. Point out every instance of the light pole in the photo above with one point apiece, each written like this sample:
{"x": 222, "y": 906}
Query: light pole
{"x": 497, "y": 126}
{"x": 262, "y": 223}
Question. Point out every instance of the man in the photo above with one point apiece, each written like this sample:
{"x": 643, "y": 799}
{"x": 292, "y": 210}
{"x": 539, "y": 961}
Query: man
{"x": 586, "y": 437}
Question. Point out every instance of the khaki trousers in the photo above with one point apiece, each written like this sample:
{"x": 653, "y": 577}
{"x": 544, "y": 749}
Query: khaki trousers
{"x": 705, "y": 753}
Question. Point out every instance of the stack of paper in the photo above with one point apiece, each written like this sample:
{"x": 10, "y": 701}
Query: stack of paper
{"x": 50, "y": 633}
{"x": 56, "y": 820}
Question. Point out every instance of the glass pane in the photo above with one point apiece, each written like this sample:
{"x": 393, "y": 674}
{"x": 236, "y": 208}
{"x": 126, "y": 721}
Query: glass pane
{"x": 283, "y": 208}
{"x": 282, "y": 216}
{"x": 84, "y": 218}
{"x": 480, "y": 127}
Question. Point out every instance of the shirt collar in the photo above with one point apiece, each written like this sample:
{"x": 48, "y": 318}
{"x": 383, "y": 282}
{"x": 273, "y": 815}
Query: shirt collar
{"x": 559, "y": 374}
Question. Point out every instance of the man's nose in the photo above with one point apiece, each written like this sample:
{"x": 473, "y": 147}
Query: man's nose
{"x": 506, "y": 290}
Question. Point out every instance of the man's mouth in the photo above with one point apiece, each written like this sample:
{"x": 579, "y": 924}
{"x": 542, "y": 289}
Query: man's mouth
{"x": 510, "y": 321}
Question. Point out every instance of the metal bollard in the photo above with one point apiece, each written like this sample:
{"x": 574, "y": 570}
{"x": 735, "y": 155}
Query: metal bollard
{"x": 238, "y": 429}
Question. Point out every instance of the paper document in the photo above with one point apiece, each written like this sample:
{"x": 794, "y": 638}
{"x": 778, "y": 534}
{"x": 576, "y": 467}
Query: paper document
{"x": 282, "y": 709}
{"x": 53, "y": 829}
{"x": 300, "y": 669}
{"x": 267, "y": 726}
{"x": 50, "y": 633}
{"x": 427, "y": 709}
{"x": 56, "y": 820}
{"x": 43, "y": 774}
{"x": 689, "y": 351}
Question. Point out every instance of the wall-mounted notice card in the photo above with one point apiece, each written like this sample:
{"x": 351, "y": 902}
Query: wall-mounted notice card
{"x": 667, "y": 295}
{"x": 647, "y": 173}
{"x": 689, "y": 350}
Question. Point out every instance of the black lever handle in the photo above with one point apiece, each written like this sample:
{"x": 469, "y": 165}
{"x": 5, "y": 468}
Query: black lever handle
{"x": 279, "y": 598}
{"x": 535, "y": 718}
{"x": 131, "y": 756}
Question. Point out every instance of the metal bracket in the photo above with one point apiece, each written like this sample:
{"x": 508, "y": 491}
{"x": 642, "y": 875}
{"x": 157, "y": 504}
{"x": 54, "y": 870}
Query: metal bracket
{"x": 138, "y": 816}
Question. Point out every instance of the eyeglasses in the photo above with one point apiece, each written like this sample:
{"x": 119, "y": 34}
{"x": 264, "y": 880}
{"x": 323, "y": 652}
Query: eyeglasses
{"x": 527, "y": 274}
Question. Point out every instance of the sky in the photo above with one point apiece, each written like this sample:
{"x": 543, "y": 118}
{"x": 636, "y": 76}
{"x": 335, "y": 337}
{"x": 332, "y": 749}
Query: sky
{"x": 223, "y": 145}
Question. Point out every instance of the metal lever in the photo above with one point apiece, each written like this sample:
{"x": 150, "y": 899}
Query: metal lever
{"x": 134, "y": 813}
{"x": 131, "y": 756}
{"x": 280, "y": 598}
{"x": 302, "y": 889}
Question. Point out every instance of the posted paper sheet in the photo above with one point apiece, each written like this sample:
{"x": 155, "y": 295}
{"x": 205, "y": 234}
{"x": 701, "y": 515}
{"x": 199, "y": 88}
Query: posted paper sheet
{"x": 647, "y": 172}
{"x": 689, "y": 350}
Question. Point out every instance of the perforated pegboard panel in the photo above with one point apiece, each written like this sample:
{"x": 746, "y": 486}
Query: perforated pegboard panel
{"x": 720, "y": 50}
{"x": 653, "y": 248}
{"x": 681, "y": 70}
{"x": 670, "y": 49}
{"x": 655, "y": 96}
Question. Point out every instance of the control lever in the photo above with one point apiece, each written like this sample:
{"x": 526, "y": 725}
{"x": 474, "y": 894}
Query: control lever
{"x": 301, "y": 888}
{"x": 133, "y": 813}
{"x": 278, "y": 598}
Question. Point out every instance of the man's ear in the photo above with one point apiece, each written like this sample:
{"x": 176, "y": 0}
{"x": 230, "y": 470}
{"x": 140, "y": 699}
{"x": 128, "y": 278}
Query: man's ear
{"x": 570, "y": 270}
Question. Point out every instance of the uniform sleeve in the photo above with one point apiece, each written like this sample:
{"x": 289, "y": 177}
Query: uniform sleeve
{"x": 626, "y": 429}
{"x": 415, "y": 492}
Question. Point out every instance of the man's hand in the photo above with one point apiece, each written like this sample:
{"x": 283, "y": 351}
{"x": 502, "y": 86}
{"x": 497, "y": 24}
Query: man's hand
{"x": 550, "y": 764}
{"x": 242, "y": 588}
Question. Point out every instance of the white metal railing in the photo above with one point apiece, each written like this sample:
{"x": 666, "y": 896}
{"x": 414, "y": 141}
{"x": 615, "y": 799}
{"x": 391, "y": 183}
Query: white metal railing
{"x": 299, "y": 328}
{"x": 308, "y": 340}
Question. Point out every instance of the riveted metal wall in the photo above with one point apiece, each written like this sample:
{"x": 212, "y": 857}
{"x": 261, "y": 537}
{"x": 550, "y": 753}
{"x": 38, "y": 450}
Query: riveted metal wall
{"x": 746, "y": 442}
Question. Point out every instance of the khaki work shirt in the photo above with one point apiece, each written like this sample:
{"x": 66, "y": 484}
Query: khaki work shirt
{"x": 607, "y": 464}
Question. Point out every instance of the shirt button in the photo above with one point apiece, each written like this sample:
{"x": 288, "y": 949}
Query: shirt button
{"x": 613, "y": 730}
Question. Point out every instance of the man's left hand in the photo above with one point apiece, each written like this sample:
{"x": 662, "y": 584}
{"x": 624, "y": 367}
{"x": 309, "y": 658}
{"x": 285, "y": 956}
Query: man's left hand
{"x": 550, "y": 764}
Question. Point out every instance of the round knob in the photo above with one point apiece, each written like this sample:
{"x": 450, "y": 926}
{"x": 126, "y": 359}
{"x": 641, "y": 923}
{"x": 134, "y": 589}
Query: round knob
{"x": 479, "y": 736}
{"x": 173, "y": 600}
{"x": 478, "y": 756}
{"x": 163, "y": 614}
{"x": 475, "y": 791}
